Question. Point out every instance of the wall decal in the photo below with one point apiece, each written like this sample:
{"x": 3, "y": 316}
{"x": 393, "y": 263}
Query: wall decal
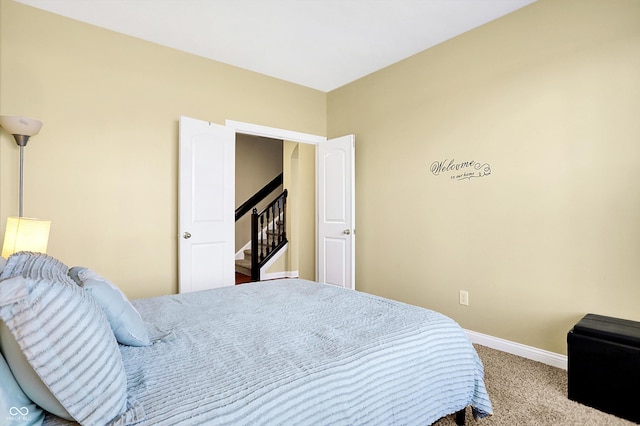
{"x": 460, "y": 170}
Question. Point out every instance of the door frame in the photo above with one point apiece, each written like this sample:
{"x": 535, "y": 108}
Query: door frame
{"x": 273, "y": 132}
{"x": 288, "y": 135}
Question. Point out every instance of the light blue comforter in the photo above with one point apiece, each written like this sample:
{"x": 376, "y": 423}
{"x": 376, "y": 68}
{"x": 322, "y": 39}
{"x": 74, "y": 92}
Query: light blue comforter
{"x": 295, "y": 352}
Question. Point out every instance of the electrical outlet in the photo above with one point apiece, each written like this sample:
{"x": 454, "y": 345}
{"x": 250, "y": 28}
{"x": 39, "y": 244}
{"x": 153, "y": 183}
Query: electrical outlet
{"x": 464, "y": 297}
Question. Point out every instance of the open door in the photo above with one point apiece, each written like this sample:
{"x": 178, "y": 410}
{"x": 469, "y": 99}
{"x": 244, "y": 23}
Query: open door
{"x": 335, "y": 168}
{"x": 206, "y": 221}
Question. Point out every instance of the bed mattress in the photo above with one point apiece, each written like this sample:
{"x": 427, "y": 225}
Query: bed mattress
{"x": 296, "y": 352}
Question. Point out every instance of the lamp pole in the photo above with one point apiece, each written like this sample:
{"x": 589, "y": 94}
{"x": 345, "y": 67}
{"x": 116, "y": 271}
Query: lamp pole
{"x": 22, "y": 142}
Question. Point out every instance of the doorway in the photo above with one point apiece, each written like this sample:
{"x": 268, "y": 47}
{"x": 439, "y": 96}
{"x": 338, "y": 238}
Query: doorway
{"x": 333, "y": 250}
{"x": 299, "y": 164}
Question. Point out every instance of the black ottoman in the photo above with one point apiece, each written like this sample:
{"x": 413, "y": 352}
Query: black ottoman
{"x": 604, "y": 365}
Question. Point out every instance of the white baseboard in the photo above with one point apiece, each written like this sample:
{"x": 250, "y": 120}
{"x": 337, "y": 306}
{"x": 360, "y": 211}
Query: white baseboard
{"x": 529, "y": 352}
{"x": 277, "y": 275}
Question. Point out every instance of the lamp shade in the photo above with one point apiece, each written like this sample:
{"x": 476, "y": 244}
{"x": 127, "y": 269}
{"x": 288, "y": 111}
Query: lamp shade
{"x": 17, "y": 125}
{"x": 25, "y": 234}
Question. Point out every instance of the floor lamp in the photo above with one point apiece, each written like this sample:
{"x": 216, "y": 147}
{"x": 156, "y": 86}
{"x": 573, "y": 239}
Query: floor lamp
{"x": 22, "y": 233}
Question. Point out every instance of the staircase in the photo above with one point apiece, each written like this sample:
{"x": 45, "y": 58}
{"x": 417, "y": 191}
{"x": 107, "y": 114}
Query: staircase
{"x": 243, "y": 266}
{"x": 268, "y": 230}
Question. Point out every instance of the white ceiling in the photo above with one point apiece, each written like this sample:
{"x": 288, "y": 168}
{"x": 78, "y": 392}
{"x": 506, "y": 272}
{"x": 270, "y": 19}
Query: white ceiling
{"x": 323, "y": 44}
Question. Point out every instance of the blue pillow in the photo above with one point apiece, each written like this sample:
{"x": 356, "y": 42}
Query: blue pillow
{"x": 15, "y": 406}
{"x": 125, "y": 321}
{"x": 56, "y": 333}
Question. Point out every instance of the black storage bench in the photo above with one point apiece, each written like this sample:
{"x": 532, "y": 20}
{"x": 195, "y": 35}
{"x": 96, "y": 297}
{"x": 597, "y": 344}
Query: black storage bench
{"x": 604, "y": 365}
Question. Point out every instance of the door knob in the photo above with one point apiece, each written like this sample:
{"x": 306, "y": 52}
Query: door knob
{"x": 186, "y": 235}
{"x": 346, "y": 231}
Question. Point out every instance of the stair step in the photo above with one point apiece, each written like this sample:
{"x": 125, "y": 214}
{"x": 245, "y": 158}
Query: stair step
{"x": 243, "y": 266}
{"x": 247, "y": 252}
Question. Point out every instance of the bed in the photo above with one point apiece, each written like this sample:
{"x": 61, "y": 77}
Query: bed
{"x": 282, "y": 352}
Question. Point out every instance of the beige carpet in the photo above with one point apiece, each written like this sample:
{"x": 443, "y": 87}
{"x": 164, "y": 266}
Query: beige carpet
{"x": 525, "y": 392}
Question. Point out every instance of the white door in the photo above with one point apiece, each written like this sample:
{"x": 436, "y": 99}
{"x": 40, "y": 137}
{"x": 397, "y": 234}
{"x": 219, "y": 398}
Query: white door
{"x": 335, "y": 168}
{"x": 206, "y": 222}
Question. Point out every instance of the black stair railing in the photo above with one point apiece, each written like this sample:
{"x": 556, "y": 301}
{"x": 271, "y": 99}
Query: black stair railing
{"x": 268, "y": 233}
{"x": 258, "y": 196}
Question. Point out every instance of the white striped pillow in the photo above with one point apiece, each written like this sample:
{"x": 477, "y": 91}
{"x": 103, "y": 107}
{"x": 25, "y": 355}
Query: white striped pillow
{"x": 65, "y": 338}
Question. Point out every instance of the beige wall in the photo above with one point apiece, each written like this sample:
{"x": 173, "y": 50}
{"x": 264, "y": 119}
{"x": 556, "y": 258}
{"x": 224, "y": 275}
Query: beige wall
{"x": 299, "y": 179}
{"x": 305, "y": 197}
{"x": 549, "y": 97}
{"x": 104, "y": 166}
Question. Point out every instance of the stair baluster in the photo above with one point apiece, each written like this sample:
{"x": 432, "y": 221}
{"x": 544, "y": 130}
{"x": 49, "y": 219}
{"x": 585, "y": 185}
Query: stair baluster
{"x": 267, "y": 239}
